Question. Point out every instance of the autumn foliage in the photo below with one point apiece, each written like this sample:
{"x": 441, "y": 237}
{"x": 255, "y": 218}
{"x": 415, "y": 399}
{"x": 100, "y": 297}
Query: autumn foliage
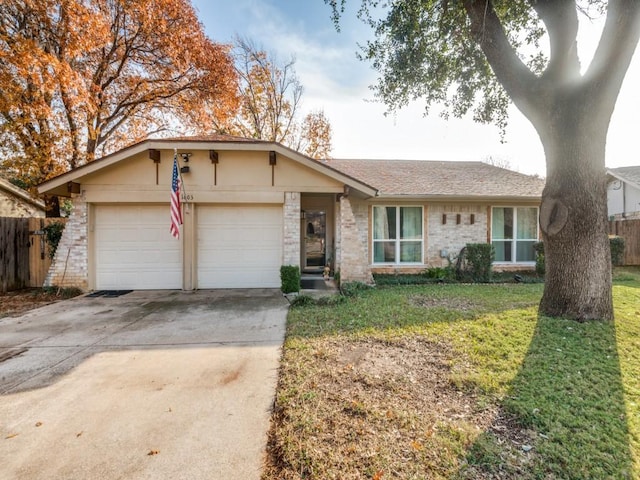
{"x": 83, "y": 78}
{"x": 270, "y": 100}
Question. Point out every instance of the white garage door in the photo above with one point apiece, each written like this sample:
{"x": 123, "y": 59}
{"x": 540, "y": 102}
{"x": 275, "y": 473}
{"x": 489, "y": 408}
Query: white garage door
{"x": 239, "y": 246}
{"x": 134, "y": 249}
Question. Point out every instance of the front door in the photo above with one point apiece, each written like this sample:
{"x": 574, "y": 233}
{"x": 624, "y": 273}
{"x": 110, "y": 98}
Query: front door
{"x": 315, "y": 239}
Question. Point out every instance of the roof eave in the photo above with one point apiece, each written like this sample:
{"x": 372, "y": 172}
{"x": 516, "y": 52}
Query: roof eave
{"x": 21, "y": 194}
{"x": 57, "y": 185}
{"x": 623, "y": 179}
{"x": 462, "y": 198}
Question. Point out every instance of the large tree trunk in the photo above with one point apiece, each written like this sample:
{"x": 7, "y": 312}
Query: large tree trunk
{"x": 573, "y": 216}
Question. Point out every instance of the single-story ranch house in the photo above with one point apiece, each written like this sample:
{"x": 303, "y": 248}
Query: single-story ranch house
{"x": 250, "y": 206}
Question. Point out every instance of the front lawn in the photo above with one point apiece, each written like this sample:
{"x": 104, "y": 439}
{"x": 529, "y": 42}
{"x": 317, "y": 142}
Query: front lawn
{"x": 458, "y": 382}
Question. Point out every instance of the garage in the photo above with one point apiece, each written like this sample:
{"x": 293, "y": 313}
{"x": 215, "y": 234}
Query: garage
{"x": 134, "y": 249}
{"x": 239, "y": 246}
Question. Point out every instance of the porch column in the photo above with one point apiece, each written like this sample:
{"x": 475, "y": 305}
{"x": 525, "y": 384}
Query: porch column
{"x": 354, "y": 260}
{"x": 291, "y": 234}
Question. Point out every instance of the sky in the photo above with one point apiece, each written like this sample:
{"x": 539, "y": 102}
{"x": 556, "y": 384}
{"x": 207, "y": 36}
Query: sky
{"x": 336, "y": 81}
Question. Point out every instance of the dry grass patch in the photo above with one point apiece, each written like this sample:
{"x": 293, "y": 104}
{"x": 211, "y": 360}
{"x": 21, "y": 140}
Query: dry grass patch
{"x": 379, "y": 408}
{"x": 13, "y": 304}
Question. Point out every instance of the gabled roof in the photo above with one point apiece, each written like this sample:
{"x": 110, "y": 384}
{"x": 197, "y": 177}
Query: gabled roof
{"x": 57, "y": 185}
{"x": 20, "y": 193}
{"x": 626, "y": 174}
{"x": 438, "y": 179}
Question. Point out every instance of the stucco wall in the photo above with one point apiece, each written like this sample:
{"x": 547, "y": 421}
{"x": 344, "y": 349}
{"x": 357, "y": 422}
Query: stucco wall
{"x": 238, "y": 177}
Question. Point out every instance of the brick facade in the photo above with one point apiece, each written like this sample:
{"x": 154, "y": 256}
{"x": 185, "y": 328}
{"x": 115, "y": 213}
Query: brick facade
{"x": 70, "y": 264}
{"x": 451, "y": 236}
{"x": 353, "y": 249}
{"x": 291, "y": 212}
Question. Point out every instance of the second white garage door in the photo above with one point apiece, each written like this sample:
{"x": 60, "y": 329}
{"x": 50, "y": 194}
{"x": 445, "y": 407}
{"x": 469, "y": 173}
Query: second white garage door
{"x": 239, "y": 246}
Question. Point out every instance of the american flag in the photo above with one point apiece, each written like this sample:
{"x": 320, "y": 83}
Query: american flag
{"x": 176, "y": 211}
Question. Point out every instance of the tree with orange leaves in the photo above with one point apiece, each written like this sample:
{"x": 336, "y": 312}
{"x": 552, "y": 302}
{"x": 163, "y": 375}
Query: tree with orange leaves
{"x": 270, "y": 96}
{"x": 80, "y": 79}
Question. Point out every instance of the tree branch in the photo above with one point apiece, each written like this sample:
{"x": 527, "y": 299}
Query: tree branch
{"x": 561, "y": 20}
{"x": 516, "y": 78}
{"x": 614, "y": 53}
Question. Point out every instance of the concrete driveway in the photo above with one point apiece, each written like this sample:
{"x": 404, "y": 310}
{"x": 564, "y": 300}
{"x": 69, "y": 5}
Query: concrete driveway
{"x": 149, "y": 385}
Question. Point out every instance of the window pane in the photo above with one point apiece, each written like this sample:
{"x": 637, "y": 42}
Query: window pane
{"x": 502, "y": 223}
{"x": 528, "y": 223}
{"x": 411, "y": 252}
{"x": 503, "y": 251}
{"x": 525, "y": 251}
{"x": 384, "y": 223}
{"x": 384, "y": 252}
{"x": 411, "y": 223}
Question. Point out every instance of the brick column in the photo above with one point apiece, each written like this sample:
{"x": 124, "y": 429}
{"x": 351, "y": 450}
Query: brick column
{"x": 69, "y": 266}
{"x": 354, "y": 261}
{"x": 291, "y": 240}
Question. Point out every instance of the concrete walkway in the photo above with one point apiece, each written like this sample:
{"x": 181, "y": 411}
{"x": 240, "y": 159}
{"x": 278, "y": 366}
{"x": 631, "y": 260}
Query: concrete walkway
{"x": 150, "y": 385}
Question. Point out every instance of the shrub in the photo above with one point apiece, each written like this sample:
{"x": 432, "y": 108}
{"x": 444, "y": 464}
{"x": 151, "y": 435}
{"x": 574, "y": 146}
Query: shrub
{"x": 539, "y": 248}
{"x": 479, "y": 257}
{"x": 289, "y": 278}
{"x": 303, "y": 301}
{"x": 53, "y": 234}
{"x": 439, "y": 273}
{"x": 616, "y": 245}
{"x": 353, "y": 289}
{"x": 331, "y": 300}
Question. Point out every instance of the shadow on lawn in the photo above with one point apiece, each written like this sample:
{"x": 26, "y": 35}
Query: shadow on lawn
{"x": 569, "y": 395}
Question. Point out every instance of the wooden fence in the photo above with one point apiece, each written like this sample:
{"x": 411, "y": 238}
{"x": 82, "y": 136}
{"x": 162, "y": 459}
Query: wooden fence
{"x": 630, "y": 231}
{"x": 24, "y": 252}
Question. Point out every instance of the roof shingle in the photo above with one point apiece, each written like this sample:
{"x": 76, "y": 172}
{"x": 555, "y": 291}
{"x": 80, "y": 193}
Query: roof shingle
{"x": 629, "y": 174}
{"x": 438, "y": 178}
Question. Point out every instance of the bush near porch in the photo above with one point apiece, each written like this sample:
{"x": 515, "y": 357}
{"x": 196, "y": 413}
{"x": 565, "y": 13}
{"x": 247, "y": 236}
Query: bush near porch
{"x": 461, "y": 382}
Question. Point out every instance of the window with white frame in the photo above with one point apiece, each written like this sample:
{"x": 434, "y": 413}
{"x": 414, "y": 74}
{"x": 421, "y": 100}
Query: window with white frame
{"x": 514, "y": 230}
{"x": 397, "y": 234}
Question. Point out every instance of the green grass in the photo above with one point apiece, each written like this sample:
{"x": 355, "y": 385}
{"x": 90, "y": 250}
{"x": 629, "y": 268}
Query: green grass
{"x": 536, "y": 397}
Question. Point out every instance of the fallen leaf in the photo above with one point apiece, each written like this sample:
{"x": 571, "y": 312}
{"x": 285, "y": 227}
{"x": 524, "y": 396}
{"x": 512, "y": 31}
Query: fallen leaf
{"x": 11, "y": 435}
{"x": 153, "y": 452}
{"x": 38, "y": 424}
{"x": 79, "y": 434}
{"x": 378, "y": 475}
{"x": 416, "y": 445}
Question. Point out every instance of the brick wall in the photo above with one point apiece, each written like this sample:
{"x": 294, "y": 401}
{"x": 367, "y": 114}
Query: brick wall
{"x": 453, "y": 236}
{"x": 69, "y": 266}
{"x": 291, "y": 254}
{"x": 353, "y": 246}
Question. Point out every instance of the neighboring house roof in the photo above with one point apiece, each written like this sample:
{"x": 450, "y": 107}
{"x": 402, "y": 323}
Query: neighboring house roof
{"x": 627, "y": 174}
{"x": 213, "y": 142}
{"x": 21, "y": 194}
{"x": 439, "y": 179}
